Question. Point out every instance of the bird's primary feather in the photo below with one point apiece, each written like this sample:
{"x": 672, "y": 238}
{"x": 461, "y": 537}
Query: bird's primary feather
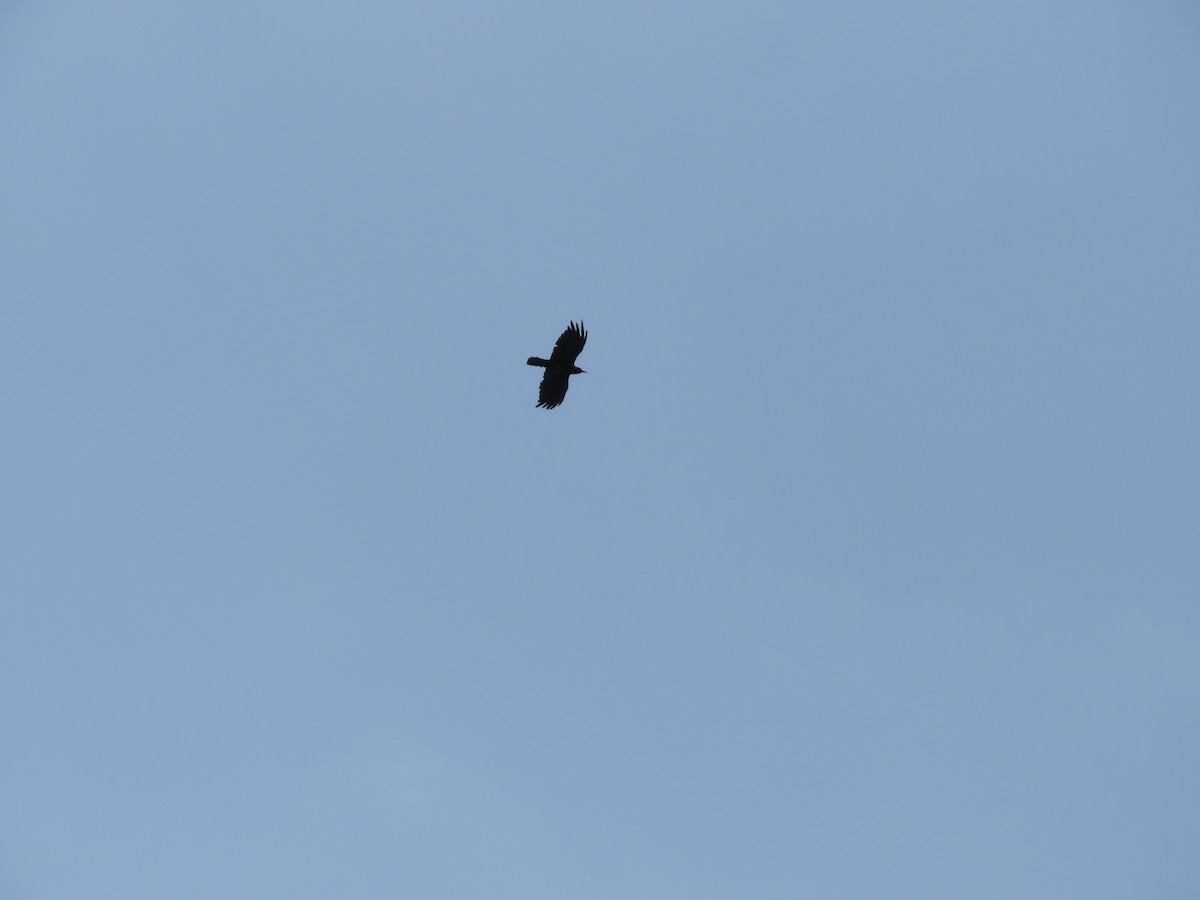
{"x": 569, "y": 345}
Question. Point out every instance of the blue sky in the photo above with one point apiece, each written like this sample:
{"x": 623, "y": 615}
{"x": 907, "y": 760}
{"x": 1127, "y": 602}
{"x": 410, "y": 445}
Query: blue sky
{"x": 861, "y": 564}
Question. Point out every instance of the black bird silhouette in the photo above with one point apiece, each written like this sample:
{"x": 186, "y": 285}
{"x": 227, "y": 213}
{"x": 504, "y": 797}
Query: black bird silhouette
{"x": 560, "y": 366}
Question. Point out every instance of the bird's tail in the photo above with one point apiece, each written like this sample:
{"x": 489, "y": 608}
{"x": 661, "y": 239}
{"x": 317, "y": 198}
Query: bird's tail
{"x": 537, "y": 361}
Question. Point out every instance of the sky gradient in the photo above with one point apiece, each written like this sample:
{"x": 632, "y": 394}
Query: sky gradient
{"x": 861, "y": 564}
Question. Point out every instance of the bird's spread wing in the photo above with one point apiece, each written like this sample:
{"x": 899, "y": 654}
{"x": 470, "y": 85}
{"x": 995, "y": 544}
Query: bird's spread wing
{"x": 570, "y": 345}
{"x": 553, "y": 388}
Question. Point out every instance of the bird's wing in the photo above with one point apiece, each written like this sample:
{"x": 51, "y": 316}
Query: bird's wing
{"x": 570, "y": 345}
{"x": 553, "y": 389}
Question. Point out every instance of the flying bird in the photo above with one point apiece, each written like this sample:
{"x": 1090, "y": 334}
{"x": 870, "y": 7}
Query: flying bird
{"x": 560, "y": 366}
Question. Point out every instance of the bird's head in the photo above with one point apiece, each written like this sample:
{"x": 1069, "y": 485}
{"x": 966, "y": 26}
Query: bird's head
{"x": 575, "y": 370}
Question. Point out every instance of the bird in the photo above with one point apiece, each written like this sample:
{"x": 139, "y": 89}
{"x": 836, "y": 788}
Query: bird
{"x": 560, "y": 366}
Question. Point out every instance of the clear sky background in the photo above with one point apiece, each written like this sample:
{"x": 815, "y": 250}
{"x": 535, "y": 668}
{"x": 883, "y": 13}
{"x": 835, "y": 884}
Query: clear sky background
{"x": 862, "y": 564}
